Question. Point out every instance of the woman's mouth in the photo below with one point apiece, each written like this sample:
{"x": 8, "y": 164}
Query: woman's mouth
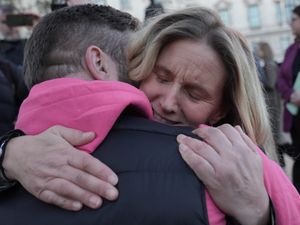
{"x": 157, "y": 117}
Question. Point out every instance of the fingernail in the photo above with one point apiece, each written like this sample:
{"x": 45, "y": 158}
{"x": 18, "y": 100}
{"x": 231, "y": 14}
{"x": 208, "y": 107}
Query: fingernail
{"x": 239, "y": 128}
{"x": 113, "y": 179}
{"x": 76, "y": 205}
{"x": 111, "y": 194}
{"x": 203, "y": 125}
{"x": 182, "y": 147}
{"x": 90, "y": 134}
{"x": 180, "y": 137}
{"x": 94, "y": 201}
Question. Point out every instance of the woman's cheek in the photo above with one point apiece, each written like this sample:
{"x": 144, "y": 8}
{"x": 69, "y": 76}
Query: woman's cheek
{"x": 196, "y": 114}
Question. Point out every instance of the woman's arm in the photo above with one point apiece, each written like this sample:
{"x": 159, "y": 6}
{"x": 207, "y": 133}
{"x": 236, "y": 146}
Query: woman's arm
{"x": 231, "y": 169}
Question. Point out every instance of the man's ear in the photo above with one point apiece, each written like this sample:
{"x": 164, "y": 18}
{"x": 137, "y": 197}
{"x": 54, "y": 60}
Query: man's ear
{"x": 96, "y": 63}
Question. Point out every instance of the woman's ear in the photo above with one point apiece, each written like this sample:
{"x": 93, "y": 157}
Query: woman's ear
{"x": 95, "y": 61}
{"x": 216, "y": 117}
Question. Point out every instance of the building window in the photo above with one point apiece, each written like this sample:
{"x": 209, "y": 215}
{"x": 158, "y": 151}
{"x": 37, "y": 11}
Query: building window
{"x": 125, "y": 4}
{"x": 225, "y": 16}
{"x": 278, "y": 13}
{"x": 254, "y": 16}
{"x": 223, "y": 8}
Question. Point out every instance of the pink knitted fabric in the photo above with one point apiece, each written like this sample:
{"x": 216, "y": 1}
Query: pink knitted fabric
{"x": 84, "y": 105}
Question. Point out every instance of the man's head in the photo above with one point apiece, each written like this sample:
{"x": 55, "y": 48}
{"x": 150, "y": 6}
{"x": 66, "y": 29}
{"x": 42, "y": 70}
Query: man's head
{"x": 71, "y": 40}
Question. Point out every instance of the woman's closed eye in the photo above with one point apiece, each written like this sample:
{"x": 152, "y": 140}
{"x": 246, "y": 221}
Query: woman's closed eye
{"x": 193, "y": 95}
{"x": 162, "y": 78}
{"x": 197, "y": 95}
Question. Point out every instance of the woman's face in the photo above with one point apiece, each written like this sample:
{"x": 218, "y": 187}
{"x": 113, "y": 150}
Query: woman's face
{"x": 295, "y": 25}
{"x": 186, "y": 84}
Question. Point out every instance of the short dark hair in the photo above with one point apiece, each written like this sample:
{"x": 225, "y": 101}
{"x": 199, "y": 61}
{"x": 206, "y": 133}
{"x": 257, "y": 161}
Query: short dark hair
{"x": 59, "y": 41}
{"x": 296, "y": 10}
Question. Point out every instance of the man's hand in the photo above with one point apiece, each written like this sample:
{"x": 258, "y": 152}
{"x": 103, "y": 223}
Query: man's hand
{"x": 228, "y": 164}
{"x": 48, "y": 166}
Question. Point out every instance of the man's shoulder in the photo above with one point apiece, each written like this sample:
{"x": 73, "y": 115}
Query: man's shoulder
{"x": 140, "y": 124}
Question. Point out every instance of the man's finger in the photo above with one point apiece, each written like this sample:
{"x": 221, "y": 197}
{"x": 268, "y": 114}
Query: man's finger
{"x": 89, "y": 164}
{"x": 62, "y": 202}
{"x": 88, "y": 182}
{"x": 72, "y": 136}
{"x": 70, "y": 191}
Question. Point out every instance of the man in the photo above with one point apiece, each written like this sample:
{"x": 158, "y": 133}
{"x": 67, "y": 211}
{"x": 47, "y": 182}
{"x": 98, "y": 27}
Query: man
{"x": 99, "y": 34}
{"x": 50, "y": 58}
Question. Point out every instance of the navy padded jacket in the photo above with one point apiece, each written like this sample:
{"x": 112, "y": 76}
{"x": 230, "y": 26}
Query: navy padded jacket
{"x": 155, "y": 185}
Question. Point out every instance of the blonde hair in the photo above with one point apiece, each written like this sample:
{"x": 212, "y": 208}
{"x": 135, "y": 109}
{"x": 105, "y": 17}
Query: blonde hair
{"x": 242, "y": 90}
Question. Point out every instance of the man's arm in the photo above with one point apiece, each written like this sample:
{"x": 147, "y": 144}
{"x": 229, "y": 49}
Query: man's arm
{"x": 49, "y": 167}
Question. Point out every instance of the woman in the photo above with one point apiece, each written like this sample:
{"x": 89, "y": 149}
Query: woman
{"x": 206, "y": 75}
{"x": 288, "y": 73}
{"x": 238, "y": 108}
{"x": 273, "y": 100}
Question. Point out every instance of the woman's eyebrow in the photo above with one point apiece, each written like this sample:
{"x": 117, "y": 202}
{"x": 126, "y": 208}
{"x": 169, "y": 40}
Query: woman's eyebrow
{"x": 164, "y": 70}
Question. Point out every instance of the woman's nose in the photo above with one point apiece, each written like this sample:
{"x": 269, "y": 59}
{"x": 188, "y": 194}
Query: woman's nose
{"x": 169, "y": 101}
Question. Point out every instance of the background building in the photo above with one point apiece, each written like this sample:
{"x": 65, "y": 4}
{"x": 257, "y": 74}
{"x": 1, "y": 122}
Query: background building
{"x": 258, "y": 20}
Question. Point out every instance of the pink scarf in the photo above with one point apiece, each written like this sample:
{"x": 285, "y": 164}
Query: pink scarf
{"x": 80, "y": 104}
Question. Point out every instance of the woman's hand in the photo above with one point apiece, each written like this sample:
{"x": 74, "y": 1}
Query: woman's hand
{"x": 50, "y": 168}
{"x": 227, "y": 163}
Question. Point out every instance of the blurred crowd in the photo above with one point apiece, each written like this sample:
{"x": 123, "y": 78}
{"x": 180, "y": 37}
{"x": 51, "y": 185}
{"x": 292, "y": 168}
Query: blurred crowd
{"x": 280, "y": 80}
{"x": 281, "y": 83}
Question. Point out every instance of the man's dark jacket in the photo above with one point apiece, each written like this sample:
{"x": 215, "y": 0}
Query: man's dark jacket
{"x": 156, "y": 186}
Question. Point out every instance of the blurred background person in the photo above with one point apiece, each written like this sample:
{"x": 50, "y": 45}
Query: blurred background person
{"x": 11, "y": 44}
{"x": 12, "y": 93}
{"x": 269, "y": 72}
{"x": 289, "y": 70}
{"x": 12, "y": 86}
{"x": 153, "y": 9}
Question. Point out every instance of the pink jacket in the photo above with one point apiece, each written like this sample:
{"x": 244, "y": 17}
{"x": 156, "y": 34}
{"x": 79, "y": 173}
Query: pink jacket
{"x": 96, "y": 105}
